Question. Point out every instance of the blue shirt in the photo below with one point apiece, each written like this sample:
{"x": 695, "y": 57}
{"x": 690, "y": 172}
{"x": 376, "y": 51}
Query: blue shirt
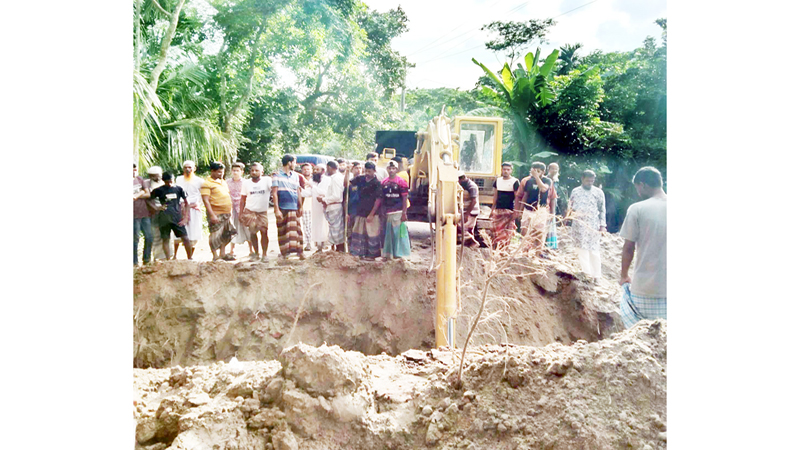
{"x": 287, "y": 189}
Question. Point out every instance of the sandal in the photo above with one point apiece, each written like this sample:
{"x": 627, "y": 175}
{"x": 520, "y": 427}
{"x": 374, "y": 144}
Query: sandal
{"x": 229, "y": 257}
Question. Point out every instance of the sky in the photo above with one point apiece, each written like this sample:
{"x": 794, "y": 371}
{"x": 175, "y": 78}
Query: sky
{"x": 444, "y": 36}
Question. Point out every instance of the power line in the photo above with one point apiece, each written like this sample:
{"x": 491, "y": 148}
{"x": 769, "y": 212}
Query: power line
{"x": 468, "y": 32}
{"x": 573, "y": 9}
{"x": 481, "y": 45}
{"x": 442, "y": 36}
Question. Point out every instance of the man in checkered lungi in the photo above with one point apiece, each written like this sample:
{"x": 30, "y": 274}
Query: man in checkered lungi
{"x": 334, "y": 212}
{"x": 645, "y": 233}
{"x": 287, "y": 201}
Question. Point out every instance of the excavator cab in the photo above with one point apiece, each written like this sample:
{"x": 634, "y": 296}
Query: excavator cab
{"x": 479, "y": 152}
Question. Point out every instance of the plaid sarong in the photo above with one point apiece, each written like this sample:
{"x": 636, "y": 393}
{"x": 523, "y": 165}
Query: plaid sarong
{"x": 366, "y": 238}
{"x": 290, "y": 233}
{"x": 634, "y": 308}
{"x": 335, "y": 216}
{"x": 220, "y": 233}
{"x": 396, "y": 242}
{"x": 253, "y": 220}
{"x": 503, "y": 226}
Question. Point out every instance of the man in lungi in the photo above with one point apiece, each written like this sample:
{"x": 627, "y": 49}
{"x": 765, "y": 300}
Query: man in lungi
{"x": 351, "y": 198}
{"x": 552, "y": 202}
{"x": 503, "y": 215}
{"x": 645, "y": 233}
{"x": 332, "y": 201}
{"x": 288, "y": 206}
{"x": 235, "y": 184}
{"x": 393, "y": 201}
{"x": 306, "y": 172}
{"x": 587, "y": 208}
{"x": 531, "y": 195}
{"x": 191, "y": 184}
{"x": 254, "y": 208}
{"x": 365, "y": 241}
{"x": 217, "y": 200}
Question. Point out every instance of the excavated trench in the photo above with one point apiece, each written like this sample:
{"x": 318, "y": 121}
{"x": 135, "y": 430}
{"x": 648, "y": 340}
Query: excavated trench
{"x": 335, "y": 353}
{"x": 190, "y": 313}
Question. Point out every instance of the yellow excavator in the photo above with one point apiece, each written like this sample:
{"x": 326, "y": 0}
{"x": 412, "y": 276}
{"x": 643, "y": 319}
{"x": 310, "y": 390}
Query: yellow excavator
{"x": 436, "y": 196}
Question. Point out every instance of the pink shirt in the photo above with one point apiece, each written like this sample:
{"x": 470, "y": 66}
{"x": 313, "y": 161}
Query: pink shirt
{"x": 139, "y": 206}
{"x": 235, "y": 188}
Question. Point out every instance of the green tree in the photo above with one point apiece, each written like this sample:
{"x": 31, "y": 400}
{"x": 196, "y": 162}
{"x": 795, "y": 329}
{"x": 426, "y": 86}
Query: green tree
{"x": 568, "y": 58}
{"x": 174, "y": 120}
{"x": 515, "y": 37}
{"x": 523, "y": 92}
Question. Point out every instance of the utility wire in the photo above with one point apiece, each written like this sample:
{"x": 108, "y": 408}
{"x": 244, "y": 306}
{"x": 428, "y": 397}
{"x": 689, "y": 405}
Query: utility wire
{"x": 481, "y": 45}
{"x": 516, "y": 8}
{"x": 442, "y": 36}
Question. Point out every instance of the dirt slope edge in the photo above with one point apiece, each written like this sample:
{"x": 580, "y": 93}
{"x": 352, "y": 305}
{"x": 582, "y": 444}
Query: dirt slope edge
{"x": 190, "y": 313}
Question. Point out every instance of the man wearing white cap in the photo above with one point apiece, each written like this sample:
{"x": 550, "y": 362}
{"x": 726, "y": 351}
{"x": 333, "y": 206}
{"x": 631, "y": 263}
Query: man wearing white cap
{"x": 191, "y": 184}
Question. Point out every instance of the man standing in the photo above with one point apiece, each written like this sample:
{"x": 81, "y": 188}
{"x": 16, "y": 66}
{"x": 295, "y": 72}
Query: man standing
{"x": 380, "y": 172}
{"x": 173, "y": 218}
{"x": 141, "y": 218}
{"x": 152, "y": 182}
{"x": 531, "y": 195}
{"x": 587, "y": 208}
{"x": 306, "y": 173}
{"x": 351, "y": 199}
{"x": 334, "y": 212}
{"x": 396, "y": 243}
{"x": 287, "y": 201}
{"x": 552, "y": 201}
{"x": 217, "y": 200}
{"x": 645, "y": 233}
{"x": 366, "y": 238}
{"x": 191, "y": 184}
{"x": 503, "y": 215}
{"x": 472, "y": 208}
{"x": 254, "y": 209}
{"x": 319, "y": 225}
{"x": 235, "y": 184}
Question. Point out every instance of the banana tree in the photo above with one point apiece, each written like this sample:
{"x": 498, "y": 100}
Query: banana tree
{"x": 522, "y": 90}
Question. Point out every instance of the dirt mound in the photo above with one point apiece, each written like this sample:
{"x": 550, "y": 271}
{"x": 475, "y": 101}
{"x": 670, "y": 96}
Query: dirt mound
{"x": 189, "y": 313}
{"x": 605, "y": 394}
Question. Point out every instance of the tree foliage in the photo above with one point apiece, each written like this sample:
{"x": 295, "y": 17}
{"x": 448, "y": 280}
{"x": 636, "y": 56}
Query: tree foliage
{"x": 515, "y": 37}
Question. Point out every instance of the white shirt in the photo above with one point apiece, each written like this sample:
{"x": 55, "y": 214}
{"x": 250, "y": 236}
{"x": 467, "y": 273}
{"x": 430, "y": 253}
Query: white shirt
{"x": 257, "y": 193}
{"x": 335, "y": 189}
{"x": 192, "y": 188}
{"x": 646, "y": 225}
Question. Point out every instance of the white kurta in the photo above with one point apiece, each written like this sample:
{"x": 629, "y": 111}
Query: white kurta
{"x": 589, "y": 209}
{"x": 319, "y": 225}
{"x": 194, "y": 228}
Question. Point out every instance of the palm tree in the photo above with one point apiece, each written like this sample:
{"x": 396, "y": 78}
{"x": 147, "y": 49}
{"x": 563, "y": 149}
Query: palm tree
{"x": 178, "y": 122}
{"x": 569, "y": 58}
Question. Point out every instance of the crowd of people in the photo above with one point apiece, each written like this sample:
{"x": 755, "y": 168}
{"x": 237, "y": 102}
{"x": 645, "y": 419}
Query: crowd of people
{"x": 366, "y": 206}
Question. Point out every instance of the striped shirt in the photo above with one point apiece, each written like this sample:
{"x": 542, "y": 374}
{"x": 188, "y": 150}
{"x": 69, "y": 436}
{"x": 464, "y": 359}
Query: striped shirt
{"x": 287, "y": 185}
